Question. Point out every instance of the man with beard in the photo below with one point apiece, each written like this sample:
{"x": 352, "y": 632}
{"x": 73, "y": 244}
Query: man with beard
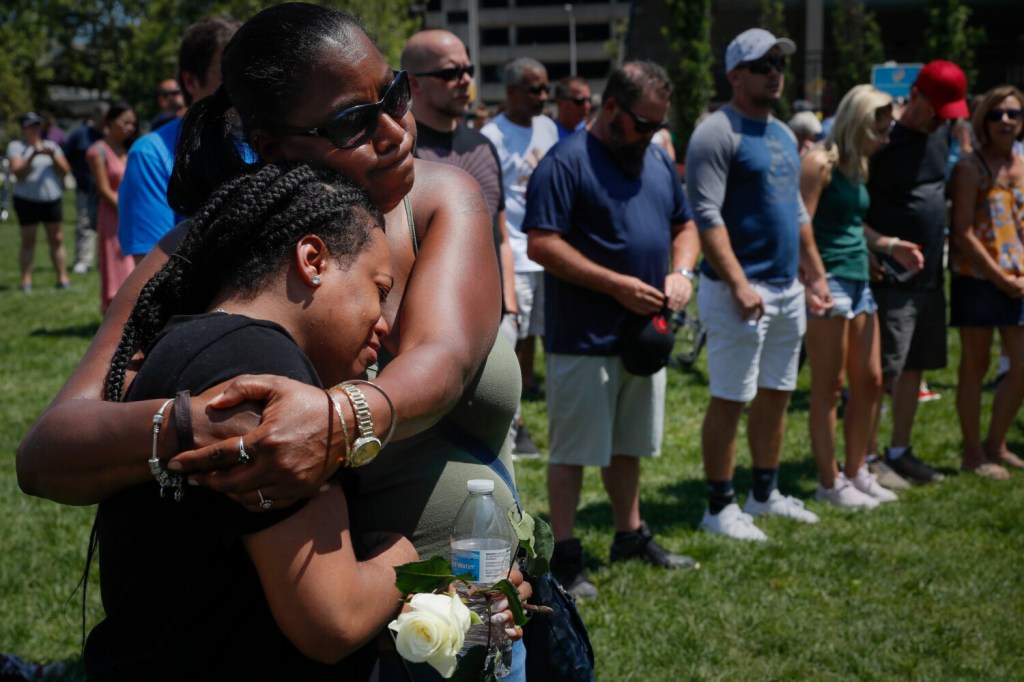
{"x": 440, "y": 74}
{"x": 522, "y": 135}
{"x": 606, "y": 217}
{"x": 743, "y": 179}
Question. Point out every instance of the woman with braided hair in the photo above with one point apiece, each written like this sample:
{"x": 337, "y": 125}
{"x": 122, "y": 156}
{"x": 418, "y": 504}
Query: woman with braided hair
{"x": 271, "y": 261}
{"x": 303, "y": 82}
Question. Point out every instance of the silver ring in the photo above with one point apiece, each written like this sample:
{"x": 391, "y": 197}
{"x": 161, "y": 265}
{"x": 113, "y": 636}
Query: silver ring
{"x": 243, "y": 456}
{"x": 265, "y": 502}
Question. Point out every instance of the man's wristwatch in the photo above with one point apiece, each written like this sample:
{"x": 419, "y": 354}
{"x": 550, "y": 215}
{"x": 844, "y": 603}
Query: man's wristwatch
{"x": 686, "y": 272}
{"x": 366, "y": 445}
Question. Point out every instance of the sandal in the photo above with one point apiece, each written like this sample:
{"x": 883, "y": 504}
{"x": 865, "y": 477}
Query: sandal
{"x": 1007, "y": 458}
{"x": 988, "y": 470}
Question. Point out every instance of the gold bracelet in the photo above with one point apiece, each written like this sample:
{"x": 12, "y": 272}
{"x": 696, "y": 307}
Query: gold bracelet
{"x": 391, "y": 406}
{"x": 344, "y": 459}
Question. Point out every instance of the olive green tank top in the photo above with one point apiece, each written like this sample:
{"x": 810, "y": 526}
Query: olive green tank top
{"x": 839, "y": 227}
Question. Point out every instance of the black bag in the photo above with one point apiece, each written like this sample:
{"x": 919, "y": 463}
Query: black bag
{"x": 557, "y": 644}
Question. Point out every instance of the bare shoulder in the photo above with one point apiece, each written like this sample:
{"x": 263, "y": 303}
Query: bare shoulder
{"x": 442, "y": 192}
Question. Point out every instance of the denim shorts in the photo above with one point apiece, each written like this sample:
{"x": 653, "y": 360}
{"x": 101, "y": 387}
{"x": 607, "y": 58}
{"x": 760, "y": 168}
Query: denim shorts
{"x": 851, "y": 298}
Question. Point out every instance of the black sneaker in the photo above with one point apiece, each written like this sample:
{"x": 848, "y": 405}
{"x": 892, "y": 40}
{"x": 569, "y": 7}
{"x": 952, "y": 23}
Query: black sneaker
{"x": 913, "y": 469}
{"x": 567, "y": 567}
{"x": 523, "y": 446}
{"x": 640, "y": 544}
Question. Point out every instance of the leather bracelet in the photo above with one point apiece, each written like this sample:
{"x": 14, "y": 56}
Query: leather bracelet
{"x": 183, "y": 421}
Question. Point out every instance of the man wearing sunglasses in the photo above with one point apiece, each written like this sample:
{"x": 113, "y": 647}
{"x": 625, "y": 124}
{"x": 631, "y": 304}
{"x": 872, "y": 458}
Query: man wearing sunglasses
{"x": 607, "y": 218}
{"x": 170, "y": 101}
{"x": 907, "y": 186}
{"x": 572, "y": 95}
{"x": 523, "y": 135}
{"x": 743, "y": 179}
{"x": 440, "y": 74}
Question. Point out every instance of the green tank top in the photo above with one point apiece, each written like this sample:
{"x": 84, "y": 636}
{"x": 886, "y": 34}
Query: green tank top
{"x": 839, "y": 228}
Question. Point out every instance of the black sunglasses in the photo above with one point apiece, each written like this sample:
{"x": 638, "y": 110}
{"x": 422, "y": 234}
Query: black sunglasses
{"x": 644, "y": 126}
{"x": 765, "y": 64}
{"x": 168, "y": 93}
{"x": 452, "y": 73}
{"x": 535, "y": 89}
{"x": 996, "y": 115}
{"x": 355, "y": 125}
{"x": 578, "y": 101}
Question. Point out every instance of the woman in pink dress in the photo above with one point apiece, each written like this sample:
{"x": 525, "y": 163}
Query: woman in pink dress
{"x": 106, "y": 159}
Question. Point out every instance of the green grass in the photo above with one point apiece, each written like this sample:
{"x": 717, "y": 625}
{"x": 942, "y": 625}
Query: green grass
{"x": 929, "y": 588}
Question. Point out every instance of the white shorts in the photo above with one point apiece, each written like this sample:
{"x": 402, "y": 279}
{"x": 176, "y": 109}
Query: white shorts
{"x": 597, "y": 409}
{"x": 530, "y": 299}
{"x": 744, "y": 355}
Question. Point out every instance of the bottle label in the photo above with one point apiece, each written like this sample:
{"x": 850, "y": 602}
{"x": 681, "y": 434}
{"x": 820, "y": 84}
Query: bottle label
{"x": 487, "y": 566}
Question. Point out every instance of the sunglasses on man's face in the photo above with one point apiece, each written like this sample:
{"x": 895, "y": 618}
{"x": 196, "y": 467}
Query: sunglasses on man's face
{"x": 169, "y": 93}
{"x": 535, "y": 89}
{"x": 765, "y": 64}
{"x": 996, "y": 115}
{"x": 644, "y": 126}
{"x": 355, "y": 125}
{"x": 578, "y": 101}
{"x": 452, "y": 73}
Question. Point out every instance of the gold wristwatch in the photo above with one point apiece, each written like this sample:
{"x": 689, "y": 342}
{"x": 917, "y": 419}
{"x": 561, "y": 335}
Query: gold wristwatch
{"x": 366, "y": 445}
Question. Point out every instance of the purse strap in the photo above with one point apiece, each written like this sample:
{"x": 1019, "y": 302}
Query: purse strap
{"x": 482, "y": 453}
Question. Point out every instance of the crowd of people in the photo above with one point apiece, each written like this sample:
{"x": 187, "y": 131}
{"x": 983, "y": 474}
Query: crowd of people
{"x": 323, "y": 289}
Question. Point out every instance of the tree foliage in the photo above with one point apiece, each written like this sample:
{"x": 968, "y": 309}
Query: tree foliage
{"x": 773, "y": 20}
{"x": 125, "y": 47}
{"x": 689, "y": 35}
{"x": 858, "y": 41}
{"x": 949, "y": 35}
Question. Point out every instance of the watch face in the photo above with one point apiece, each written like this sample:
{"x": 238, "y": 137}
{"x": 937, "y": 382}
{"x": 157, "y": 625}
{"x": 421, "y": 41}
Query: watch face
{"x": 364, "y": 450}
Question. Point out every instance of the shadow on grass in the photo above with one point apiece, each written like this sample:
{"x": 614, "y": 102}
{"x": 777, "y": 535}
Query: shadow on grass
{"x": 85, "y": 331}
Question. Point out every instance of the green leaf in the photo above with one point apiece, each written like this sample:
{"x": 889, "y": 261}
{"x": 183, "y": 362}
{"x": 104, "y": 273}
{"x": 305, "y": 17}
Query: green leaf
{"x": 544, "y": 545}
{"x": 471, "y": 666}
{"x": 523, "y": 524}
{"x": 515, "y": 605}
{"x": 431, "y": 575}
{"x": 474, "y": 619}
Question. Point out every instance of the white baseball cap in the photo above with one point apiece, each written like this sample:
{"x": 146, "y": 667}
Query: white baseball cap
{"x": 753, "y": 44}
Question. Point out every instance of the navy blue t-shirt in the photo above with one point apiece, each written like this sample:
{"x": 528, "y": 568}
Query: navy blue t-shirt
{"x": 617, "y": 222}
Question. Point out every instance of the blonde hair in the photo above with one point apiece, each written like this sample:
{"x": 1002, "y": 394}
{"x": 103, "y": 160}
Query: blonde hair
{"x": 855, "y": 122}
{"x": 991, "y": 99}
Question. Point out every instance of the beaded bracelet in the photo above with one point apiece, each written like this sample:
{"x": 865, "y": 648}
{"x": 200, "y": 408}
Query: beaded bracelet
{"x": 344, "y": 428}
{"x": 167, "y": 481}
{"x": 391, "y": 406}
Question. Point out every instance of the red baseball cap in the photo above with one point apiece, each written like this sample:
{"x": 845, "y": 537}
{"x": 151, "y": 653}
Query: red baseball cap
{"x": 944, "y": 85}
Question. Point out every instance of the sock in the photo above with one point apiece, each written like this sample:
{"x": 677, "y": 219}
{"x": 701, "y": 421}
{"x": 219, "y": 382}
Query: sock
{"x": 765, "y": 481}
{"x": 720, "y": 495}
{"x": 896, "y": 453}
{"x": 1004, "y": 364}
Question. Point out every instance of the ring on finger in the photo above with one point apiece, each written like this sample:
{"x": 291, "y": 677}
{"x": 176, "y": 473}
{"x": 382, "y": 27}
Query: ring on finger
{"x": 243, "y": 456}
{"x": 265, "y": 502}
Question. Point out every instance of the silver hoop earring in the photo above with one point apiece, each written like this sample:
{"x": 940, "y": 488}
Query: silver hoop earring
{"x": 316, "y": 280}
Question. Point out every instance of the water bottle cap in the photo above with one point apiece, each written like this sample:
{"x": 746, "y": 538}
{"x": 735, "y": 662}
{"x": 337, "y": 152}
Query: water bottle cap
{"x": 480, "y": 485}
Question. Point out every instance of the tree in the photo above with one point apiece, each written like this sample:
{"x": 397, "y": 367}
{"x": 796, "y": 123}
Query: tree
{"x": 689, "y": 35}
{"x": 858, "y": 42}
{"x": 773, "y": 20}
{"x": 948, "y": 35}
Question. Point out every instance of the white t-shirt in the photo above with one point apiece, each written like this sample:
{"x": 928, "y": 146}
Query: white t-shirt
{"x": 43, "y": 183}
{"x": 520, "y": 149}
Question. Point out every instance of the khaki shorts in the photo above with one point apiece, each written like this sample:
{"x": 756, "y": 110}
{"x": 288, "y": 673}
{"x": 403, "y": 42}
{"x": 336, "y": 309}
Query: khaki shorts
{"x": 597, "y": 409}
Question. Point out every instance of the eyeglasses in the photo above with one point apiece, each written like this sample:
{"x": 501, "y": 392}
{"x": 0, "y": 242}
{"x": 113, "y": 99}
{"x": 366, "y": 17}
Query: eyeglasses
{"x": 354, "y": 126}
{"x": 168, "y": 93}
{"x": 578, "y": 101}
{"x": 535, "y": 89}
{"x": 452, "y": 73}
{"x": 996, "y": 115}
{"x": 765, "y": 64}
{"x": 644, "y": 126}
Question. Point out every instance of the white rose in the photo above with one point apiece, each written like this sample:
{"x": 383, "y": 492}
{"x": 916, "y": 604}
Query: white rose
{"x": 433, "y": 632}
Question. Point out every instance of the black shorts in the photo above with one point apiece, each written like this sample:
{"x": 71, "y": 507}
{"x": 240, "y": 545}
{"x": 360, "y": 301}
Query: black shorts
{"x": 980, "y": 303}
{"x": 913, "y": 327}
{"x": 31, "y": 212}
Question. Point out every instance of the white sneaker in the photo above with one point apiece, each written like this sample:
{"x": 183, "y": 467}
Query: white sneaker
{"x": 845, "y": 495}
{"x": 80, "y": 268}
{"x": 780, "y": 505}
{"x": 732, "y": 523}
{"x": 867, "y": 483}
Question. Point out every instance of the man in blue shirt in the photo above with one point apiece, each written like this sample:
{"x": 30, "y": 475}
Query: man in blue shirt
{"x": 607, "y": 218}
{"x": 572, "y": 97}
{"x": 143, "y": 213}
{"x": 743, "y": 179}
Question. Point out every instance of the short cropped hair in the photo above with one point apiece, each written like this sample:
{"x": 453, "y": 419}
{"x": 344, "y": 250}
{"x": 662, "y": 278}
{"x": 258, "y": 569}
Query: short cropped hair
{"x": 517, "y": 68}
{"x": 201, "y": 42}
{"x": 562, "y": 86}
{"x": 629, "y": 82}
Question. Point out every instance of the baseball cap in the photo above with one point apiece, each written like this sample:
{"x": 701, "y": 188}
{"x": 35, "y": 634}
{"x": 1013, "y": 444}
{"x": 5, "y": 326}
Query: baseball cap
{"x": 646, "y": 343}
{"x": 31, "y": 119}
{"x": 753, "y": 44}
{"x": 944, "y": 85}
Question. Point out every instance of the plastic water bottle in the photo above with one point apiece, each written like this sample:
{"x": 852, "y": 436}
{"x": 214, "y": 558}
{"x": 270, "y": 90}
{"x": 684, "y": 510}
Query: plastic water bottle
{"x": 482, "y": 546}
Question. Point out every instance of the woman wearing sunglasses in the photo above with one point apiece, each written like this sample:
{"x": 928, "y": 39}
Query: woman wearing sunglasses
{"x": 987, "y": 288}
{"x": 306, "y": 83}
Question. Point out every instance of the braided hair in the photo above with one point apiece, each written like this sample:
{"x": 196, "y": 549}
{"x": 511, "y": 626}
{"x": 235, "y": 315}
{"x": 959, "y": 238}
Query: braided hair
{"x": 243, "y": 233}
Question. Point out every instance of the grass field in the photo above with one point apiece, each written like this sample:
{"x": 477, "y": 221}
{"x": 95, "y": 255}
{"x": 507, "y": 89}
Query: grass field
{"x": 929, "y": 588}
